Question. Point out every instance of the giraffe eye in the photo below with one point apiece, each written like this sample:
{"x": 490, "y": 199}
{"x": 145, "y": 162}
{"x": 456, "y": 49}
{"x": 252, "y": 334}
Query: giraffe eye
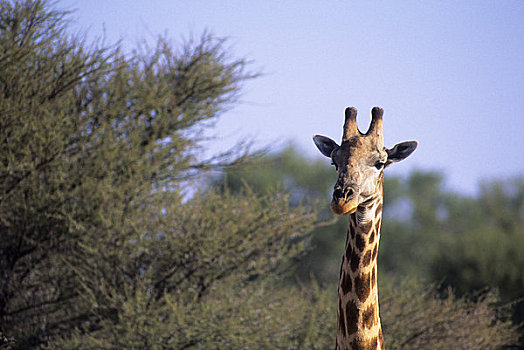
{"x": 379, "y": 165}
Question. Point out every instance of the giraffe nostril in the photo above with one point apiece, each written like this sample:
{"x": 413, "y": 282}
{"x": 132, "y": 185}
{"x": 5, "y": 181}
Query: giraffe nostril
{"x": 338, "y": 192}
{"x": 348, "y": 194}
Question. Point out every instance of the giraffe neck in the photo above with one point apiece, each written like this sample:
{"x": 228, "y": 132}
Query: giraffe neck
{"x": 358, "y": 315}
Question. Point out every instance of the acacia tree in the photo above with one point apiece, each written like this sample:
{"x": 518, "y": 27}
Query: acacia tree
{"x": 94, "y": 147}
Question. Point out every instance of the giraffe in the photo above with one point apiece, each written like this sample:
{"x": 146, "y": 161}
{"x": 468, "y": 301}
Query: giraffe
{"x": 360, "y": 161}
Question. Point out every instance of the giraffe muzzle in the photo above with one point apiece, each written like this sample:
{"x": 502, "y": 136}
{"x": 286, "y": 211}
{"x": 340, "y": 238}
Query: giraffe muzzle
{"x": 345, "y": 200}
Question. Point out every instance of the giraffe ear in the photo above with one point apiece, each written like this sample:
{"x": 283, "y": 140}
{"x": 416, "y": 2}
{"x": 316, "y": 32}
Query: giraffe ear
{"x": 325, "y": 145}
{"x": 400, "y": 151}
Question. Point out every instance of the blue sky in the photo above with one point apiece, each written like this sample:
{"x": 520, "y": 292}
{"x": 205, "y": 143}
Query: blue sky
{"x": 449, "y": 74}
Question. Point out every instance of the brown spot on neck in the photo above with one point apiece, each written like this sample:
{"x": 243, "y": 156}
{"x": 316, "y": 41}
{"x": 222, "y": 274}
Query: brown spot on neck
{"x": 368, "y": 316}
{"x": 362, "y": 286}
{"x": 346, "y": 283}
{"x": 349, "y": 250}
{"x": 352, "y": 226}
{"x": 366, "y": 259}
{"x": 351, "y": 318}
{"x": 360, "y": 242}
{"x": 355, "y": 261}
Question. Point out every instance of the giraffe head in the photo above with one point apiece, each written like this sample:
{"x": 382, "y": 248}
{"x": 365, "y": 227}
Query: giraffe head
{"x": 360, "y": 161}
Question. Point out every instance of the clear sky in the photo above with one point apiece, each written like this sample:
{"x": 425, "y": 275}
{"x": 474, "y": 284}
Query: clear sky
{"x": 449, "y": 74}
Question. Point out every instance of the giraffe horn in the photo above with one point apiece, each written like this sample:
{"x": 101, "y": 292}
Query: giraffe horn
{"x": 375, "y": 128}
{"x": 376, "y": 122}
{"x": 350, "y": 124}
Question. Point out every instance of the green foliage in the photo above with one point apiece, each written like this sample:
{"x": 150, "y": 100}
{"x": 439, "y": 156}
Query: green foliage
{"x": 489, "y": 251}
{"x": 305, "y": 180}
{"x": 412, "y": 227}
{"x": 198, "y": 277}
{"x": 468, "y": 243}
{"x": 262, "y": 315}
{"x": 417, "y": 317}
{"x": 88, "y": 139}
{"x": 308, "y": 182}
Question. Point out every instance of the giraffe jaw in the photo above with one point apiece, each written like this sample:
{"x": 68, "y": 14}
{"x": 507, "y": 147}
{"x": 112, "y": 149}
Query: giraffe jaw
{"x": 341, "y": 206}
